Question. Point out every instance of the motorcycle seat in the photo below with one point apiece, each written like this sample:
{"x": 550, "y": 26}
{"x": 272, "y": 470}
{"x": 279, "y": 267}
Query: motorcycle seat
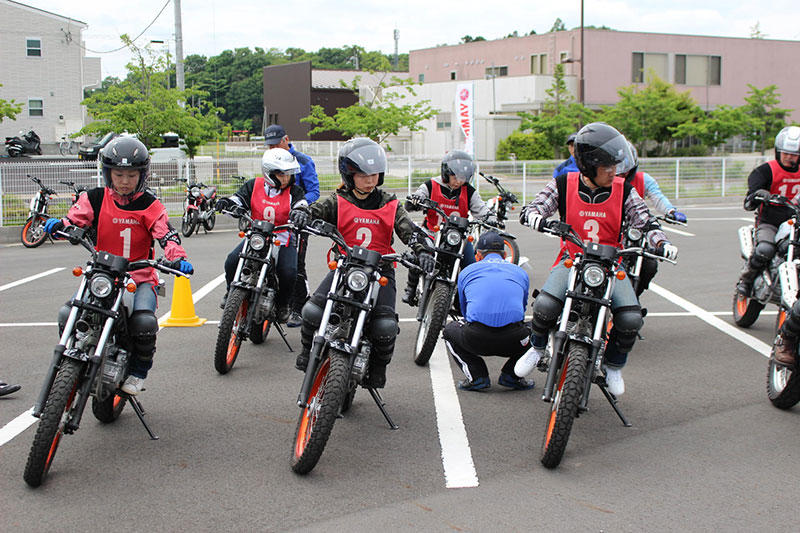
{"x": 208, "y": 192}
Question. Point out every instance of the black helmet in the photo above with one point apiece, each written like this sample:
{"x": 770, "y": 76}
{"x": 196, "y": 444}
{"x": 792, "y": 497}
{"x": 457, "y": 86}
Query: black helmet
{"x": 599, "y": 145}
{"x": 126, "y": 153}
{"x": 628, "y": 168}
{"x": 361, "y": 155}
{"x": 788, "y": 140}
{"x": 459, "y": 164}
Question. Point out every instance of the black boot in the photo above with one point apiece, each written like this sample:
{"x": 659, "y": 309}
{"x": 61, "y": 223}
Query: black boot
{"x": 301, "y": 363}
{"x": 376, "y": 377}
{"x": 410, "y": 296}
{"x": 745, "y": 284}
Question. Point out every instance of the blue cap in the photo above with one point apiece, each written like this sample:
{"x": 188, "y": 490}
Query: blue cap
{"x": 490, "y": 241}
{"x": 273, "y": 134}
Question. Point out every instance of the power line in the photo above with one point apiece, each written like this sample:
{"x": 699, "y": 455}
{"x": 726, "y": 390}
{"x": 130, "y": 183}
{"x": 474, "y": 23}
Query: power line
{"x": 134, "y": 39}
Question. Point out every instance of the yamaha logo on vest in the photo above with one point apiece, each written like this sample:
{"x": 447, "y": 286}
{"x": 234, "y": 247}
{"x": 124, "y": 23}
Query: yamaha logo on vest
{"x": 132, "y": 221}
{"x": 360, "y": 220}
{"x": 594, "y": 214}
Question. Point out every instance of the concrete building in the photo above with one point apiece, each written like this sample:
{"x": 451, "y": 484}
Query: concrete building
{"x": 43, "y": 67}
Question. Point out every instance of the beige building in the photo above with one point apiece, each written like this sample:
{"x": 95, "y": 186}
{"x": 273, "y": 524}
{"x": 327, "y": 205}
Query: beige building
{"x": 43, "y": 67}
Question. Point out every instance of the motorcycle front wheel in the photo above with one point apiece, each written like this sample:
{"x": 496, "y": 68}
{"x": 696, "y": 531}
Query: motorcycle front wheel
{"x": 228, "y": 339}
{"x": 564, "y": 409}
{"x": 323, "y": 405}
{"x": 512, "y": 250}
{"x": 432, "y": 322}
{"x": 51, "y": 424}
{"x": 108, "y": 410}
{"x": 210, "y": 221}
{"x": 745, "y": 310}
{"x": 783, "y": 384}
{"x": 188, "y": 223}
{"x": 33, "y": 233}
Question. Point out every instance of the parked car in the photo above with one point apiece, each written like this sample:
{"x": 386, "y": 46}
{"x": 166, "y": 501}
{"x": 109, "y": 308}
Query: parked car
{"x": 89, "y": 151}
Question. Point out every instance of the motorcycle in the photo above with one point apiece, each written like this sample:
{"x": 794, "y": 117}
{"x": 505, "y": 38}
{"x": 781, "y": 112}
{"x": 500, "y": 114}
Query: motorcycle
{"x": 250, "y": 309}
{"x": 33, "y": 233}
{"x": 766, "y": 287}
{"x": 199, "y": 207}
{"x": 92, "y": 356}
{"x": 77, "y": 190}
{"x": 499, "y": 206}
{"x": 28, "y": 143}
{"x": 339, "y": 356}
{"x": 436, "y": 294}
{"x": 635, "y": 238}
{"x": 576, "y": 352}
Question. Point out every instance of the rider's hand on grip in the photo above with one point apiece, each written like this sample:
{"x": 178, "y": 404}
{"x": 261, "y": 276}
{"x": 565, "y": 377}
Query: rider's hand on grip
{"x": 677, "y": 216}
{"x": 534, "y": 220}
{"x": 426, "y": 262}
{"x": 299, "y": 217}
{"x": 761, "y": 196}
{"x": 491, "y": 219}
{"x": 181, "y": 265}
{"x": 225, "y": 204}
{"x": 668, "y": 251}
{"x": 53, "y": 225}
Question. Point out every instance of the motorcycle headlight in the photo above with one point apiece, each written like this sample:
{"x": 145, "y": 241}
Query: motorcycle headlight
{"x": 257, "y": 242}
{"x": 634, "y": 234}
{"x": 593, "y": 276}
{"x": 453, "y": 237}
{"x": 357, "y": 280}
{"x": 195, "y": 191}
{"x": 101, "y": 286}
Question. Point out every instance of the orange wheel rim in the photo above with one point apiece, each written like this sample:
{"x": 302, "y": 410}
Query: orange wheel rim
{"x": 741, "y": 305}
{"x": 309, "y": 415}
{"x": 551, "y": 424}
{"x": 264, "y": 327}
{"x": 57, "y": 437}
{"x": 509, "y": 249}
{"x": 236, "y": 341}
{"x": 781, "y": 317}
{"x": 117, "y": 400}
{"x": 25, "y": 231}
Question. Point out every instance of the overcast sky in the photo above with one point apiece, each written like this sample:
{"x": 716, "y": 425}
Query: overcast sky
{"x": 211, "y": 26}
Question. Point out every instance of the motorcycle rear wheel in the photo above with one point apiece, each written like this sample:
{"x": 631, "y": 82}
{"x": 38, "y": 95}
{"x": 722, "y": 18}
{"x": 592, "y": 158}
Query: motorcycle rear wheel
{"x": 780, "y": 318}
{"x": 259, "y": 334}
{"x": 324, "y": 404}
{"x": 432, "y": 322}
{"x": 33, "y": 233}
{"x": 228, "y": 340}
{"x": 512, "y": 250}
{"x": 51, "y": 424}
{"x": 745, "y": 310}
{"x": 783, "y": 384}
{"x": 564, "y": 408}
{"x": 210, "y": 221}
{"x": 188, "y": 223}
{"x": 108, "y": 410}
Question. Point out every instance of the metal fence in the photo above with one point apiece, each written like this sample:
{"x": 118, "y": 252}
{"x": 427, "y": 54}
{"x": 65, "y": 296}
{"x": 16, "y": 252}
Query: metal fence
{"x": 679, "y": 178}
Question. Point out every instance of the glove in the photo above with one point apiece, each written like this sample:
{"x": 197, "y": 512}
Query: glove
{"x": 53, "y": 225}
{"x": 490, "y": 219}
{"x": 668, "y": 251}
{"x": 534, "y": 220}
{"x": 676, "y": 216}
{"x": 426, "y": 262}
{"x": 760, "y": 196}
{"x": 184, "y": 266}
{"x": 412, "y": 202}
{"x": 225, "y": 204}
{"x": 299, "y": 217}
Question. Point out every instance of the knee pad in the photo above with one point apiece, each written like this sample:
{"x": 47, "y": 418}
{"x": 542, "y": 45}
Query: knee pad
{"x": 384, "y": 329}
{"x": 791, "y": 326}
{"x": 546, "y": 309}
{"x": 313, "y": 309}
{"x": 627, "y": 323}
{"x": 143, "y": 328}
{"x": 763, "y": 254}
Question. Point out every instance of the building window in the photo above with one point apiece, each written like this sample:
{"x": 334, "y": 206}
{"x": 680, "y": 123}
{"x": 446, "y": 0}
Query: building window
{"x": 642, "y": 63}
{"x": 35, "y": 107}
{"x": 494, "y": 72}
{"x": 443, "y": 121}
{"x": 697, "y": 70}
{"x": 539, "y": 64}
{"x": 34, "y": 46}
{"x": 421, "y": 78}
{"x": 563, "y": 56}
{"x": 452, "y": 74}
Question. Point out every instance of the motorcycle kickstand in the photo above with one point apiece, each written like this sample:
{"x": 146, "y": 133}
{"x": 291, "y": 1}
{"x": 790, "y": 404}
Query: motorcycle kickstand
{"x": 380, "y": 403}
{"x": 139, "y": 410}
{"x": 613, "y": 401}
{"x": 283, "y": 336}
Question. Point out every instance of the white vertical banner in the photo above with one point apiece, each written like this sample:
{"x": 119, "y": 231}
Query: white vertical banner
{"x": 465, "y": 115}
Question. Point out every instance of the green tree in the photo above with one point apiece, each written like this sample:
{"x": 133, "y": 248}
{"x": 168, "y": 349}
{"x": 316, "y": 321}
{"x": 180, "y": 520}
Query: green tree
{"x": 378, "y": 116}
{"x": 9, "y": 108}
{"x": 143, "y": 105}
{"x": 650, "y": 112}
{"x": 764, "y": 118}
{"x": 471, "y": 39}
{"x": 524, "y": 146}
{"x": 714, "y": 128}
{"x": 558, "y": 25}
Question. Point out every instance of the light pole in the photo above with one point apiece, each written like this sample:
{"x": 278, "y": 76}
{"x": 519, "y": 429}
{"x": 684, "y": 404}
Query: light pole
{"x": 166, "y": 45}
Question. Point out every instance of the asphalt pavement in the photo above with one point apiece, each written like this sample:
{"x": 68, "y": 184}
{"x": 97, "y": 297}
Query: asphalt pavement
{"x": 707, "y": 451}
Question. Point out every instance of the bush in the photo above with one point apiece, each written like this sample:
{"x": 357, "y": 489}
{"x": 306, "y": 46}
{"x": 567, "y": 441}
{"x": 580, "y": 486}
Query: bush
{"x": 695, "y": 150}
{"x": 525, "y": 146}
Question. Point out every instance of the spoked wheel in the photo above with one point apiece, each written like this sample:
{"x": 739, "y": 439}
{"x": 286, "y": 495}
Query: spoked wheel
{"x": 108, "y": 410}
{"x": 209, "y": 222}
{"x": 745, "y": 310}
{"x": 323, "y": 404}
{"x": 33, "y": 233}
{"x": 259, "y": 334}
{"x": 432, "y": 322}
{"x": 188, "y": 223}
{"x": 228, "y": 339}
{"x": 512, "y": 250}
{"x": 565, "y": 405}
{"x": 51, "y": 424}
{"x": 783, "y": 384}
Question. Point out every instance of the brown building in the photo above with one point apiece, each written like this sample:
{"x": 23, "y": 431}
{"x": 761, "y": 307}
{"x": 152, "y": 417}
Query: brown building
{"x": 290, "y": 90}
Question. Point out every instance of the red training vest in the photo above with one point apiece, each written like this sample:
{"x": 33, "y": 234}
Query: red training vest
{"x": 784, "y": 183}
{"x": 600, "y": 223}
{"x": 458, "y": 205}
{"x": 370, "y": 228}
{"x": 273, "y": 209}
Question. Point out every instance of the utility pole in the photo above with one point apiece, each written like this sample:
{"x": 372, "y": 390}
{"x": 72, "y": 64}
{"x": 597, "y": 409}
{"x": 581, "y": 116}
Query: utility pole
{"x": 583, "y": 61}
{"x": 178, "y": 47}
{"x": 396, "y": 57}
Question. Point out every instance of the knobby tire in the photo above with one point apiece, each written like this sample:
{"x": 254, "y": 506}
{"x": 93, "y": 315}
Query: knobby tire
{"x": 33, "y": 233}
{"x": 228, "y": 340}
{"x": 432, "y": 322}
{"x": 745, "y": 310}
{"x": 108, "y": 410}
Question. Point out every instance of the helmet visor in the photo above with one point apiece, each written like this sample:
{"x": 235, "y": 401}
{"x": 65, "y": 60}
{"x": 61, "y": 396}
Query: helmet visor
{"x": 615, "y": 152}
{"x": 369, "y": 159}
{"x": 462, "y": 169}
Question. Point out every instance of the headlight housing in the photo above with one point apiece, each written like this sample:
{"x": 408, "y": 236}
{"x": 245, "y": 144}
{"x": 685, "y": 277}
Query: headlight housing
{"x": 357, "y": 280}
{"x": 634, "y": 234}
{"x": 453, "y": 237}
{"x": 101, "y": 286}
{"x": 593, "y": 276}
{"x": 195, "y": 191}
{"x": 257, "y": 242}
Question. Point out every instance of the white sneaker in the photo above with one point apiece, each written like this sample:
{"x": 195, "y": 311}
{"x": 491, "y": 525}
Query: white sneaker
{"x": 133, "y": 385}
{"x": 616, "y": 385}
{"x": 528, "y": 362}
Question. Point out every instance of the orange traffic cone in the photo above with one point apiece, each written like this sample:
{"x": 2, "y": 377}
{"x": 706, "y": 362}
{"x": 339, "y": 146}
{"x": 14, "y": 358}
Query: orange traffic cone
{"x": 182, "y": 313}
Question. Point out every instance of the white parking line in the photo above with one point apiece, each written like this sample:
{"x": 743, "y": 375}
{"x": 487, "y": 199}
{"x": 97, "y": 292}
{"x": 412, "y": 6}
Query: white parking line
{"x": 459, "y": 469}
{"x": 30, "y": 278}
{"x": 679, "y": 232}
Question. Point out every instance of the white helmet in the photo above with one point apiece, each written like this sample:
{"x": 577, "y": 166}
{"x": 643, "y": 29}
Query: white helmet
{"x": 278, "y": 160}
